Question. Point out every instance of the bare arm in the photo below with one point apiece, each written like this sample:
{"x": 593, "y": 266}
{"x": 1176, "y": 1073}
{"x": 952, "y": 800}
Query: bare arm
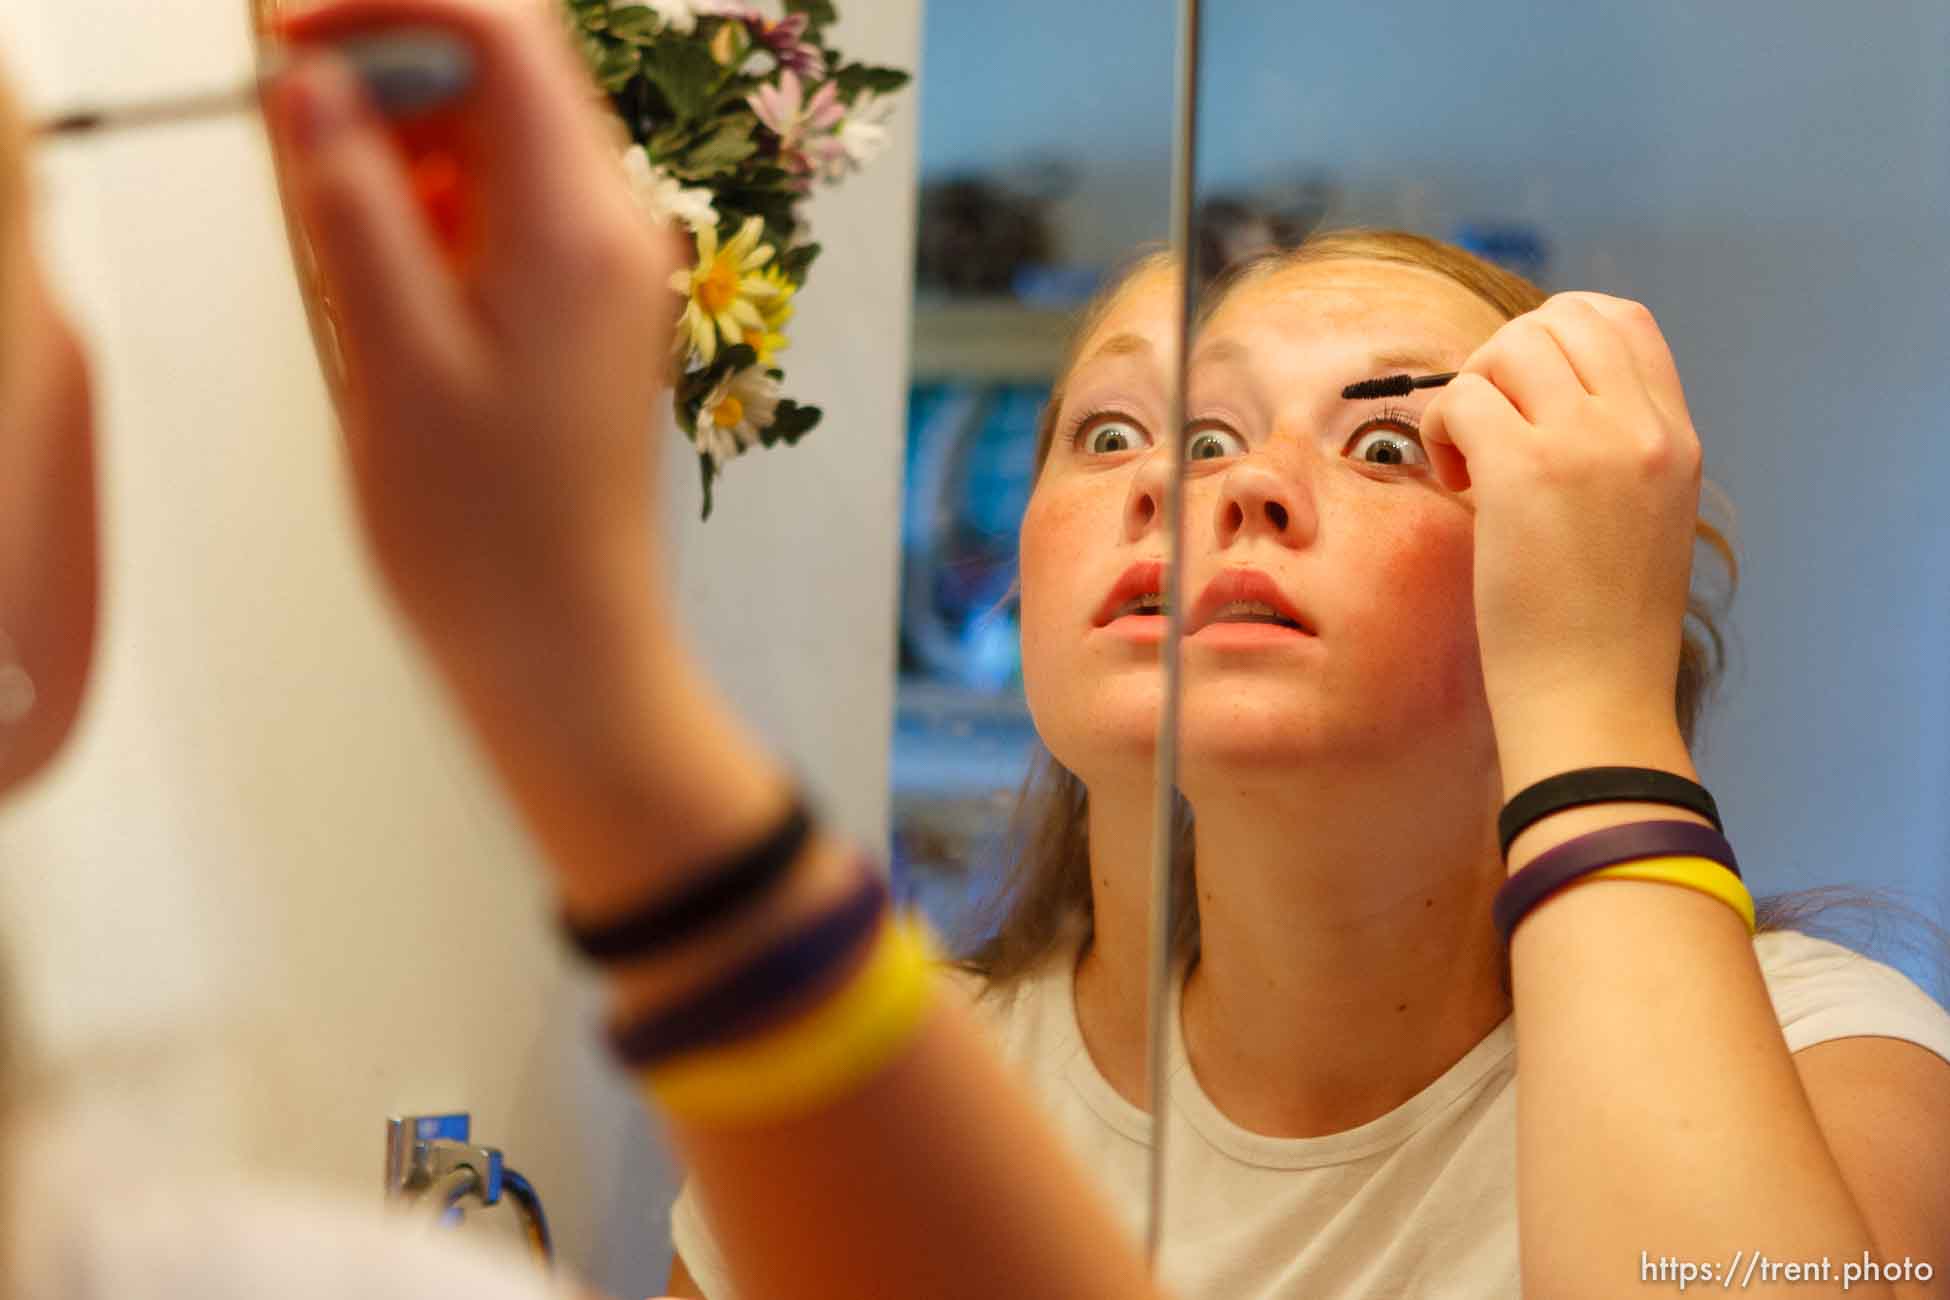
{"x": 496, "y": 427}
{"x": 1660, "y": 1115}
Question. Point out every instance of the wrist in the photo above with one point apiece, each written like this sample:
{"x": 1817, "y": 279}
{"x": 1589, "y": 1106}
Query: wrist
{"x": 1585, "y": 735}
{"x": 1542, "y": 737}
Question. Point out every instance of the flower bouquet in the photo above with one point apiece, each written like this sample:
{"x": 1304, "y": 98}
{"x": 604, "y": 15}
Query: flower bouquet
{"x": 734, "y": 116}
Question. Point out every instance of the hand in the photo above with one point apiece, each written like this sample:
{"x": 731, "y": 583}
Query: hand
{"x": 1569, "y": 428}
{"x": 502, "y": 400}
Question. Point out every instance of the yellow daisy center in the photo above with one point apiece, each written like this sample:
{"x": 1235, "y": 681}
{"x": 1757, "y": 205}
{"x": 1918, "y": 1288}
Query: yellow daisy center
{"x": 717, "y": 289}
{"x": 730, "y": 413}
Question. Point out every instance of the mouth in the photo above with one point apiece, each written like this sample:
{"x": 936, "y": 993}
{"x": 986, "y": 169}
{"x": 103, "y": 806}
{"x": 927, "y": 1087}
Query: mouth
{"x": 1238, "y": 611}
{"x": 1237, "y": 596}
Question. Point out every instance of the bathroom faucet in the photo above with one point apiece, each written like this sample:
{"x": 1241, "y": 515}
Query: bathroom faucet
{"x": 430, "y": 1161}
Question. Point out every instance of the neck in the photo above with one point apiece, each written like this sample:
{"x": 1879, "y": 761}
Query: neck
{"x": 1347, "y": 956}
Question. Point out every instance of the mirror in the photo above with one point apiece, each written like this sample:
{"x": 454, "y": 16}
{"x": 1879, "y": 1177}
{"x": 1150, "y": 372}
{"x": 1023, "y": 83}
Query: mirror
{"x": 1043, "y": 316}
{"x": 1774, "y": 193}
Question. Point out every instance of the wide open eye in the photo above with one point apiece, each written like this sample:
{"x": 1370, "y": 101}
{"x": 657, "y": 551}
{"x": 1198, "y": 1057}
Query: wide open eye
{"x": 1392, "y": 439}
{"x": 1108, "y": 434}
{"x": 1213, "y": 442}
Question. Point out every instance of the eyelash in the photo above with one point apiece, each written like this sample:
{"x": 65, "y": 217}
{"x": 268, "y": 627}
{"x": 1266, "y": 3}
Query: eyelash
{"x": 1080, "y": 427}
{"x": 1400, "y": 417}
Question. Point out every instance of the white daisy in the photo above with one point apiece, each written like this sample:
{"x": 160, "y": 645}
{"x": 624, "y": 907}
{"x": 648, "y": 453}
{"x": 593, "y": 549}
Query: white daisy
{"x": 663, "y": 197}
{"x": 741, "y": 407}
{"x": 863, "y": 132}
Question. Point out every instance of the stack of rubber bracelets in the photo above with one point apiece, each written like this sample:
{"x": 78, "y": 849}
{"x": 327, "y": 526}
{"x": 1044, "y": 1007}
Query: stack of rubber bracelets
{"x": 804, "y": 1021}
{"x": 1671, "y": 852}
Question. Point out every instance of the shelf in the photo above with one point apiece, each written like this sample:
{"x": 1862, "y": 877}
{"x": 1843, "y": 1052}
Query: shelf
{"x": 995, "y": 340}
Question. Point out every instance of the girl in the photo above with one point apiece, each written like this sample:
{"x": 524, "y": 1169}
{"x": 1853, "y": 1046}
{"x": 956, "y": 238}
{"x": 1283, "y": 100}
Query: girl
{"x": 1452, "y": 597}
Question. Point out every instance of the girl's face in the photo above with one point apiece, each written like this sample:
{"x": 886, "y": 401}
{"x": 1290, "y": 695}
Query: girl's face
{"x": 48, "y": 575}
{"x": 1322, "y": 508}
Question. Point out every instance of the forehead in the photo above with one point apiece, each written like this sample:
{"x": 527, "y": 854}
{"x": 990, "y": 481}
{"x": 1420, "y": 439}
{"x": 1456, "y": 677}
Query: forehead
{"x": 1147, "y": 307}
{"x": 1358, "y": 302}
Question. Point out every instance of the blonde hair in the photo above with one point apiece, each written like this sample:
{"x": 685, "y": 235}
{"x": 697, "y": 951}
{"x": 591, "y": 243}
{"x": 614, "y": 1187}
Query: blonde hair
{"x": 1045, "y": 901}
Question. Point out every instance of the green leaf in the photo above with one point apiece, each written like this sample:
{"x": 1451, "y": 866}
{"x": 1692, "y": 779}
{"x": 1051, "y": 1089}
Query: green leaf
{"x": 667, "y": 143}
{"x": 795, "y": 262}
{"x": 820, "y": 12}
{"x": 590, "y": 15}
{"x": 616, "y": 65}
{"x": 636, "y": 24}
{"x": 738, "y": 356}
{"x": 704, "y": 467}
{"x": 790, "y": 423}
{"x": 856, "y": 77}
{"x": 686, "y": 74}
{"x": 717, "y": 153}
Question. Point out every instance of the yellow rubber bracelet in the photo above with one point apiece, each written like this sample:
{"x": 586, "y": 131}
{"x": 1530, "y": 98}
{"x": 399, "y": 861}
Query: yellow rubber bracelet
{"x": 1703, "y": 874}
{"x": 819, "y": 1057}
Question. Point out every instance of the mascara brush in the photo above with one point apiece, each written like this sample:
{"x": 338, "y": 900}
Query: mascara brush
{"x": 1394, "y": 386}
{"x": 403, "y": 73}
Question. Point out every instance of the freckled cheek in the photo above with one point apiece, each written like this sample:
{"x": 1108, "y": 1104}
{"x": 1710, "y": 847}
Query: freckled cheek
{"x": 1048, "y": 582}
{"x": 1425, "y": 608}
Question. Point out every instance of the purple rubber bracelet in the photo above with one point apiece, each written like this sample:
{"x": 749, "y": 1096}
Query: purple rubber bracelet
{"x": 1600, "y": 849}
{"x": 765, "y": 991}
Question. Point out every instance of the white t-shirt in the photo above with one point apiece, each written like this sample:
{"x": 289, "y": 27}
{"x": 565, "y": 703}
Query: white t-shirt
{"x": 1421, "y": 1201}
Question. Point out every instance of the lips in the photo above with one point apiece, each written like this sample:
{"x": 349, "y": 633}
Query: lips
{"x": 1236, "y": 595}
{"x": 1249, "y": 588}
{"x": 1145, "y": 578}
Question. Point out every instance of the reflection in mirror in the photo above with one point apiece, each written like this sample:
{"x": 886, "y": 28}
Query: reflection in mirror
{"x": 1036, "y": 208}
{"x": 1046, "y": 328}
{"x": 1403, "y": 612}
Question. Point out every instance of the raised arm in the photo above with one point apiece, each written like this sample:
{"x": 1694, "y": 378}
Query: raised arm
{"x": 498, "y": 426}
{"x": 1661, "y": 1119}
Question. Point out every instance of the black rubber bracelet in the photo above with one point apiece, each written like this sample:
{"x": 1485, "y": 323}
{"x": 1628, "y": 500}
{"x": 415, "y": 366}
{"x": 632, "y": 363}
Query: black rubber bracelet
{"x": 724, "y": 891}
{"x": 766, "y": 990}
{"x": 1589, "y": 785}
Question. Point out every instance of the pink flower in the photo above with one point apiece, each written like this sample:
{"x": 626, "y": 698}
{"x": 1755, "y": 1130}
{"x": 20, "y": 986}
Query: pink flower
{"x": 807, "y": 129}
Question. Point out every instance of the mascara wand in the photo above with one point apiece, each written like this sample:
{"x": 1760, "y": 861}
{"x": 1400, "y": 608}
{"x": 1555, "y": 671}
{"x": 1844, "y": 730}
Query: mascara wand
{"x": 404, "y": 73}
{"x": 1394, "y": 386}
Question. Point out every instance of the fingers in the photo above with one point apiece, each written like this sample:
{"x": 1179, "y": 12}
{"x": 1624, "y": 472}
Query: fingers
{"x": 383, "y": 274}
{"x": 1646, "y": 344}
{"x": 532, "y": 153}
{"x": 1591, "y": 344}
{"x": 1526, "y": 362}
{"x": 1464, "y": 424}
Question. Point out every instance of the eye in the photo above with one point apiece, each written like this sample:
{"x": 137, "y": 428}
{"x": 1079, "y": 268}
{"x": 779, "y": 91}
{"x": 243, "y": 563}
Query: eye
{"x": 1392, "y": 440}
{"x": 1213, "y": 443}
{"x": 1108, "y": 434}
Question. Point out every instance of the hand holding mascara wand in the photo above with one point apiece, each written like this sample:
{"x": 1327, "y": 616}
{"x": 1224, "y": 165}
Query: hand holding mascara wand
{"x": 404, "y": 73}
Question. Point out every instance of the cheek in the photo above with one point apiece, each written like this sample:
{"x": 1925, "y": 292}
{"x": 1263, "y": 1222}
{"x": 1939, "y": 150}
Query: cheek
{"x": 1045, "y": 527}
{"x": 1424, "y": 608}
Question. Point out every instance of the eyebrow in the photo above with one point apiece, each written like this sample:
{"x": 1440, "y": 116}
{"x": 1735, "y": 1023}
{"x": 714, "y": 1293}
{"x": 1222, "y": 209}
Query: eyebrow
{"x": 1415, "y": 363}
{"x": 1410, "y": 360}
{"x": 1119, "y": 345}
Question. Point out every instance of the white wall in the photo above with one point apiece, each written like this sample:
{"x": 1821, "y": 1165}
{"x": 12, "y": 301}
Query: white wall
{"x": 270, "y": 896}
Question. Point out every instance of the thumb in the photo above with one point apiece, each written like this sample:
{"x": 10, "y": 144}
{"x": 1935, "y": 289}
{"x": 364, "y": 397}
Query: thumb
{"x": 382, "y": 273}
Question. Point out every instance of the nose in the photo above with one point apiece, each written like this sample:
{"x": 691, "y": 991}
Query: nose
{"x": 1144, "y": 504}
{"x": 1257, "y": 500}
